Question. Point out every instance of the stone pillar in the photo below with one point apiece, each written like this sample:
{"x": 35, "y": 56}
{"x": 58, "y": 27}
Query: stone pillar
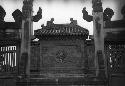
{"x": 98, "y": 37}
{"x": 26, "y": 34}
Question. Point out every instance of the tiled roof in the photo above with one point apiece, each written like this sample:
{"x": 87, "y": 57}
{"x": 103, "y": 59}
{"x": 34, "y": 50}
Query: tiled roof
{"x": 61, "y": 29}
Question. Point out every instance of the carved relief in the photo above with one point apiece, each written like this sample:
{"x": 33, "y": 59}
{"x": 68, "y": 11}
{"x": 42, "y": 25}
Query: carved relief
{"x": 61, "y": 56}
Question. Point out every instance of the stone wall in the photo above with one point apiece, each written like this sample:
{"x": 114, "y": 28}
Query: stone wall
{"x": 62, "y": 56}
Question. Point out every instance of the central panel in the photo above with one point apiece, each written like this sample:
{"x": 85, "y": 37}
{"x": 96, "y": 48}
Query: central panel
{"x": 62, "y": 57}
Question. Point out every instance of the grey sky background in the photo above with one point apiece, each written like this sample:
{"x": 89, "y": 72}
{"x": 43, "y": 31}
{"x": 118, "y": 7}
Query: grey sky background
{"x": 62, "y": 10}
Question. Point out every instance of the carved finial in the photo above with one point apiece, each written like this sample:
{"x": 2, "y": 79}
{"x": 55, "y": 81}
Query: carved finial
{"x": 2, "y": 14}
{"x": 97, "y": 5}
{"x": 37, "y": 17}
{"x": 50, "y": 23}
{"x": 108, "y": 13}
{"x": 28, "y": 4}
{"x": 52, "y": 20}
{"x": 17, "y": 15}
{"x": 86, "y": 17}
{"x": 27, "y": 8}
{"x": 74, "y": 22}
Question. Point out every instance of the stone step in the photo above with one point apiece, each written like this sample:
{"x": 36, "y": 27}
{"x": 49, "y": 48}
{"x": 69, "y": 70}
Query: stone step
{"x": 59, "y": 79}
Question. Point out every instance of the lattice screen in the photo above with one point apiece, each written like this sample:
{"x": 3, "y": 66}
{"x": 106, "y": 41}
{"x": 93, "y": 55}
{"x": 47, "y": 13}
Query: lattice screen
{"x": 115, "y": 54}
{"x": 8, "y": 60}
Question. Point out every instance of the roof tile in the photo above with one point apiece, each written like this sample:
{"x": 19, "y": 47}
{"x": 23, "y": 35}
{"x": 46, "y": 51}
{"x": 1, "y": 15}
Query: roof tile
{"x": 62, "y": 29}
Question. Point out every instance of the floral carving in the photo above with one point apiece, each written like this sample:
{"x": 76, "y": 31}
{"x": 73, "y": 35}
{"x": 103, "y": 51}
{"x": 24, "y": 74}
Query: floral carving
{"x": 61, "y": 55}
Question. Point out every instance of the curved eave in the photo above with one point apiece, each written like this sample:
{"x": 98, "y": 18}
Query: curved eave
{"x": 61, "y": 34}
{"x": 67, "y": 32}
{"x": 41, "y": 34}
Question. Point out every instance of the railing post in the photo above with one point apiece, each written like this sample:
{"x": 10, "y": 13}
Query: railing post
{"x": 18, "y": 59}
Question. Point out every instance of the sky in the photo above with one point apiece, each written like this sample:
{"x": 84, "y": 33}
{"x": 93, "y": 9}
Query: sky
{"x": 62, "y": 10}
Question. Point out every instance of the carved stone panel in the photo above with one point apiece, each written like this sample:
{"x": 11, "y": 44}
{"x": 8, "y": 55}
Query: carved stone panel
{"x": 61, "y": 58}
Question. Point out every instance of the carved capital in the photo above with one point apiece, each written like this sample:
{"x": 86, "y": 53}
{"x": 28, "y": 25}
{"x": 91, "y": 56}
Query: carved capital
{"x": 27, "y": 8}
{"x": 97, "y": 5}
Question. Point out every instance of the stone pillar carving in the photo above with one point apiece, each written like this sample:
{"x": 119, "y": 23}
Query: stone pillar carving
{"x": 98, "y": 37}
{"x": 26, "y": 33}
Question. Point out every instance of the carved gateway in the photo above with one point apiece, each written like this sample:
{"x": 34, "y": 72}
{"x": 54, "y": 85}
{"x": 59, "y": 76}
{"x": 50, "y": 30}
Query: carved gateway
{"x": 62, "y": 48}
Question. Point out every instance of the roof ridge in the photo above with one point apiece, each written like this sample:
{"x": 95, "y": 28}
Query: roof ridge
{"x": 62, "y": 30}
